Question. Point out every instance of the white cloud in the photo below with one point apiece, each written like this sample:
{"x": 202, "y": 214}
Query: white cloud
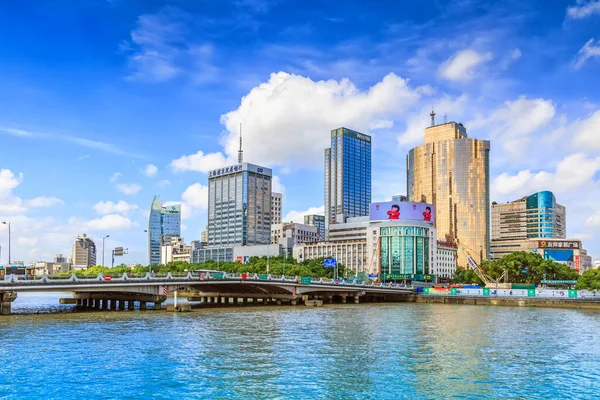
{"x": 109, "y": 222}
{"x": 589, "y": 50}
{"x": 593, "y": 221}
{"x": 201, "y": 162}
{"x": 194, "y": 201}
{"x": 128, "y": 188}
{"x": 121, "y": 207}
{"x": 573, "y": 172}
{"x": 298, "y": 216}
{"x": 44, "y": 202}
{"x": 163, "y": 184}
{"x": 277, "y": 186}
{"x": 8, "y": 180}
{"x": 462, "y": 65}
{"x": 115, "y": 177}
{"x": 512, "y": 57}
{"x": 150, "y": 170}
{"x": 513, "y": 124}
{"x": 587, "y": 133}
{"x": 583, "y": 9}
{"x": 287, "y": 120}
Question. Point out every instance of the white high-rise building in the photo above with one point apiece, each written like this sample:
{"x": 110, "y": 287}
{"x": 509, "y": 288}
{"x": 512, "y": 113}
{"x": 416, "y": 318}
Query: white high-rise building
{"x": 276, "y": 202}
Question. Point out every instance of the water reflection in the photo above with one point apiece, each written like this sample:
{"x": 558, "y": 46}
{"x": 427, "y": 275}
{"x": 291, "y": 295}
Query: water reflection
{"x": 352, "y": 352}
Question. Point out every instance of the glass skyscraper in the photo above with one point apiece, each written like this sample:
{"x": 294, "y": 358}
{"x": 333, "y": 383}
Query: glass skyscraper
{"x": 164, "y": 223}
{"x": 452, "y": 171}
{"x": 317, "y": 221}
{"x": 347, "y": 176}
{"x": 239, "y": 205}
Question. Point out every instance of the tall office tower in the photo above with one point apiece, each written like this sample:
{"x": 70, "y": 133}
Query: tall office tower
{"x": 452, "y": 172}
{"x": 84, "y": 251}
{"x": 239, "y": 205}
{"x": 164, "y": 224}
{"x": 347, "y": 176}
{"x": 276, "y": 215}
{"x": 318, "y": 221}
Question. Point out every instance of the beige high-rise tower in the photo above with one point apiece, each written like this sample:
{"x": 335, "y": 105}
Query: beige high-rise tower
{"x": 452, "y": 172}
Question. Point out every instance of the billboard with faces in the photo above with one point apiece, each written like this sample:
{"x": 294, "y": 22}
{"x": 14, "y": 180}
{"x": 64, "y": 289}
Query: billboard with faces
{"x": 402, "y": 210}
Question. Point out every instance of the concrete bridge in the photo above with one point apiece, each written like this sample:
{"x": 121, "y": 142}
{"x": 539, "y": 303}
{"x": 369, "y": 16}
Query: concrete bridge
{"x": 217, "y": 288}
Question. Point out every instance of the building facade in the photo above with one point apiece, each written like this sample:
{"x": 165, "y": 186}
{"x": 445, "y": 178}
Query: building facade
{"x": 276, "y": 210}
{"x": 377, "y": 248}
{"x": 452, "y": 171}
{"x": 289, "y": 234}
{"x": 445, "y": 267}
{"x": 317, "y": 221}
{"x": 175, "y": 250}
{"x": 240, "y": 254}
{"x": 239, "y": 205}
{"x": 347, "y": 176}
{"x": 164, "y": 223}
{"x": 399, "y": 197}
{"x": 84, "y": 252}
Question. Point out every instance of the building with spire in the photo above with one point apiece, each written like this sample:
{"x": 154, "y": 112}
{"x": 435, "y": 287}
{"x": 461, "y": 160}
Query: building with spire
{"x": 452, "y": 172}
{"x": 239, "y": 204}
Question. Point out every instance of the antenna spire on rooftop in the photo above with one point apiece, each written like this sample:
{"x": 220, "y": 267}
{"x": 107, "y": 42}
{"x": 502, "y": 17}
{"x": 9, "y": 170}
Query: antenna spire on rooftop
{"x": 240, "y": 151}
{"x": 432, "y": 117}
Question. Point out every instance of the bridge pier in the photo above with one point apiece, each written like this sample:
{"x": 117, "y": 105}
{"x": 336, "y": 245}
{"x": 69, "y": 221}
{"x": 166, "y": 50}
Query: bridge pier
{"x": 143, "y": 305}
{"x": 104, "y": 304}
{"x": 158, "y": 305}
{"x": 343, "y": 299}
{"x": 130, "y": 304}
{"x": 6, "y": 300}
{"x": 356, "y": 300}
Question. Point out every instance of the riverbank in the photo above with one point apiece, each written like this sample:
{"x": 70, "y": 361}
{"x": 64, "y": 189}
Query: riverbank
{"x": 587, "y": 304}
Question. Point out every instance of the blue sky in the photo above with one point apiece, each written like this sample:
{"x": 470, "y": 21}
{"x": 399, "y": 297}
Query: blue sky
{"x": 106, "y": 103}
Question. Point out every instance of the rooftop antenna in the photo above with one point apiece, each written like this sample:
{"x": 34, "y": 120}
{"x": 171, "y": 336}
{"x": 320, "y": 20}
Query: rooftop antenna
{"x": 240, "y": 151}
{"x": 445, "y": 118}
{"x": 432, "y": 116}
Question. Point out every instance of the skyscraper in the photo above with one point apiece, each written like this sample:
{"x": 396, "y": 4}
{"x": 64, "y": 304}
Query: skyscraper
{"x": 164, "y": 224}
{"x": 239, "y": 205}
{"x": 452, "y": 172}
{"x": 347, "y": 176}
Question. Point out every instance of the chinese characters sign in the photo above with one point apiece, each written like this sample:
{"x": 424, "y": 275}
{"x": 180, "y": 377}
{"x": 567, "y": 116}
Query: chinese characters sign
{"x": 559, "y": 244}
{"x": 222, "y": 171}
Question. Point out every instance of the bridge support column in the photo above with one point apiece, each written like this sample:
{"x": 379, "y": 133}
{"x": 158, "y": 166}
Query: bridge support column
{"x": 131, "y": 304}
{"x": 356, "y": 300}
{"x": 104, "y": 304}
{"x": 330, "y": 299}
{"x": 245, "y": 301}
{"x": 216, "y": 299}
{"x": 158, "y": 305}
{"x": 121, "y": 304}
{"x": 142, "y": 305}
{"x": 113, "y": 304}
{"x": 344, "y": 299}
{"x": 6, "y": 300}
{"x": 293, "y": 302}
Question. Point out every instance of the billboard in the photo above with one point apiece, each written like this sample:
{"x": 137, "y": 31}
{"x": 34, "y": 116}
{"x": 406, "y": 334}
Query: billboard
{"x": 402, "y": 210}
{"x": 559, "y": 244}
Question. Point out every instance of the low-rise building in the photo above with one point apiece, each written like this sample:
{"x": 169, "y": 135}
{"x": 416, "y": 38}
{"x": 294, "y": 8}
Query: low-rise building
{"x": 290, "y": 234}
{"x": 175, "y": 250}
{"x": 240, "y": 254}
{"x": 50, "y": 267}
{"x": 317, "y": 221}
{"x": 445, "y": 265}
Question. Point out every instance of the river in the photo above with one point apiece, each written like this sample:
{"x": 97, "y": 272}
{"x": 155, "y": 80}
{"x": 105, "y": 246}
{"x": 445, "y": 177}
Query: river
{"x": 381, "y": 351}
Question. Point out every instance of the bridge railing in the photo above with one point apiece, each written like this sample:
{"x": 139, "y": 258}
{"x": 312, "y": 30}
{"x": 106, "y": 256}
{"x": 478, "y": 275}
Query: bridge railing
{"x": 114, "y": 279}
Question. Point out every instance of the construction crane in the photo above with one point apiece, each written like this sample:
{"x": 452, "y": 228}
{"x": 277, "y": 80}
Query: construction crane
{"x": 489, "y": 281}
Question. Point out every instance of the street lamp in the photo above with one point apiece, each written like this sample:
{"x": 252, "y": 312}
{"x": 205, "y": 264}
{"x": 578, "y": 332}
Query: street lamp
{"x": 8, "y": 223}
{"x": 103, "y": 238}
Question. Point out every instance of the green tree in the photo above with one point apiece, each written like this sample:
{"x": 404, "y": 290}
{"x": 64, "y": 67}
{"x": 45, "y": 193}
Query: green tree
{"x": 590, "y": 280}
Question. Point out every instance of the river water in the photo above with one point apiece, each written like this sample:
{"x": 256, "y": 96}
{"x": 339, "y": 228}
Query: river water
{"x": 382, "y": 351}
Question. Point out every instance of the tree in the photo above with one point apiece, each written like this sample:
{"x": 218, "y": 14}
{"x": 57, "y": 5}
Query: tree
{"x": 590, "y": 280}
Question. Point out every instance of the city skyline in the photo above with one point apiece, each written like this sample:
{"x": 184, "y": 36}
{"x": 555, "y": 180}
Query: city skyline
{"x": 84, "y": 112}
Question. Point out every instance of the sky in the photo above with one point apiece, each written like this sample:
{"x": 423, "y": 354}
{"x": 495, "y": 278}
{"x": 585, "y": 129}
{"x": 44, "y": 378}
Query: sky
{"x": 106, "y": 103}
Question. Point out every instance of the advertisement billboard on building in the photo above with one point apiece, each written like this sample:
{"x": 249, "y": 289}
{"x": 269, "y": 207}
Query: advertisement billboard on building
{"x": 559, "y": 244}
{"x": 402, "y": 210}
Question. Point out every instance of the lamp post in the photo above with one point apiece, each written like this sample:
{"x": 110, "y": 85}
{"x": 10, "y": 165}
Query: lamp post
{"x": 150, "y": 252}
{"x": 103, "y": 238}
{"x": 8, "y": 223}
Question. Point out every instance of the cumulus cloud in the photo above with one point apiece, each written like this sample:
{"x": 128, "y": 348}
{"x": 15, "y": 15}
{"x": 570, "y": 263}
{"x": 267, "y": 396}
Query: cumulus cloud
{"x": 8, "y": 180}
{"x": 128, "y": 188}
{"x": 44, "y": 201}
{"x": 194, "y": 201}
{"x": 513, "y": 124}
{"x": 298, "y": 216}
{"x": 593, "y": 221}
{"x": 587, "y": 132}
{"x": 575, "y": 171}
{"x": 589, "y": 50}
{"x": 277, "y": 186}
{"x": 287, "y": 120}
{"x": 150, "y": 170}
{"x": 121, "y": 207}
{"x": 583, "y": 9}
{"x": 115, "y": 177}
{"x": 462, "y": 65}
{"x": 109, "y": 222}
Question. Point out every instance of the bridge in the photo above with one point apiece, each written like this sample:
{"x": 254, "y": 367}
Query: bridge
{"x": 216, "y": 288}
